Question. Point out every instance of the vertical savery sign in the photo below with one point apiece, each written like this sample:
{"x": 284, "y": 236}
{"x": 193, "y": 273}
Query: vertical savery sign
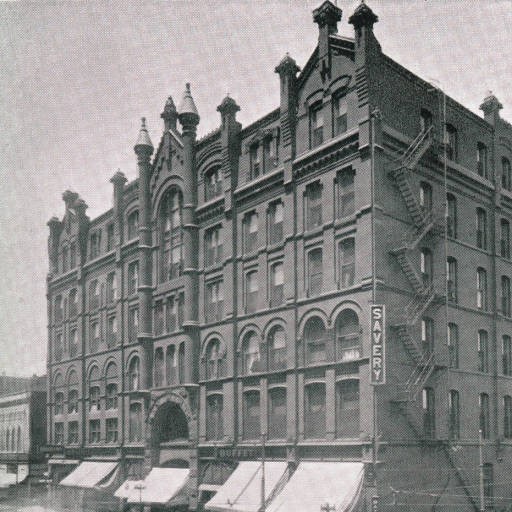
{"x": 377, "y": 345}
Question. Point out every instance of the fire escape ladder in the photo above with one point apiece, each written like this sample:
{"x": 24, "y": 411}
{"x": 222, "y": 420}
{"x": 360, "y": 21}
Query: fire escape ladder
{"x": 408, "y": 269}
{"x": 410, "y": 391}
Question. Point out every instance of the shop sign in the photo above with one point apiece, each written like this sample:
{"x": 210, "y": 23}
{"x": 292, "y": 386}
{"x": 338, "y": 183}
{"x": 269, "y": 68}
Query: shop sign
{"x": 377, "y": 345}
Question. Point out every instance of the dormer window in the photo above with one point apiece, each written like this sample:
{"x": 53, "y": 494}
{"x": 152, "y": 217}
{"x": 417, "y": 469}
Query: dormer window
{"x": 316, "y": 125}
{"x": 213, "y": 183}
{"x": 255, "y": 160}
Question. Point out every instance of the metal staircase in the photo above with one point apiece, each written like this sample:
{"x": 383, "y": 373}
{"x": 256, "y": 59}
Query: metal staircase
{"x": 425, "y": 223}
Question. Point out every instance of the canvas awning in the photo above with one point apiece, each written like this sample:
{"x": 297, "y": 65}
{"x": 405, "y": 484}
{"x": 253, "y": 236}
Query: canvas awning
{"x": 315, "y": 484}
{"x": 127, "y": 487}
{"x": 89, "y": 474}
{"x": 242, "y": 490}
{"x": 7, "y": 479}
{"x": 162, "y": 486}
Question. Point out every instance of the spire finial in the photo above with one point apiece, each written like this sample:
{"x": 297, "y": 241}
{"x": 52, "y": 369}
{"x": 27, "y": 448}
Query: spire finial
{"x": 143, "y": 139}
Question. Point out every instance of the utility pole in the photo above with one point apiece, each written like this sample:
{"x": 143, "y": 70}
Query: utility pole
{"x": 481, "y": 465}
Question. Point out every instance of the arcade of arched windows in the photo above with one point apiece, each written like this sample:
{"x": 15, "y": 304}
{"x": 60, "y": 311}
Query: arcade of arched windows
{"x": 13, "y": 431}
{"x": 169, "y": 365}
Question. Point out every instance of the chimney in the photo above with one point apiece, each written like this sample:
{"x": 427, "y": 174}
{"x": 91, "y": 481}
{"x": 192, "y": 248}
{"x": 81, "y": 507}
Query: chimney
{"x": 326, "y": 17}
{"x": 363, "y": 20}
{"x": 491, "y": 108}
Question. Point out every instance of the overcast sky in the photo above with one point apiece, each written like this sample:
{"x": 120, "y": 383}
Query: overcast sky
{"x": 75, "y": 78}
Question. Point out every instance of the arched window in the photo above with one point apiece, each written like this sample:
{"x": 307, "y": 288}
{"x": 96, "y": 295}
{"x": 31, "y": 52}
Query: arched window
{"x": 507, "y": 417}
{"x": 72, "y": 392}
{"x": 315, "y": 341}
{"x": 347, "y": 408}
{"x": 481, "y": 288}
{"x": 13, "y": 440}
{"x": 481, "y": 228}
{"x": 18, "y": 440}
{"x": 135, "y": 425}
{"x": 8, "y": 440}
{"x": 111, "y": 377}
{"x": 483, "y": 351}
{"x": 171, "y": 365}
{"x": 251, "y": 354}
{"x": 451, "y": 278}
{"x": 505, "y": 296}
{"x": 215, "y": 364}
{"x": 159, "y": 367}
{"x": 133, "y": 225}
{"x": 212, "y": 183}
{"x": 170, "y": 235}
{"x": 181, "y": 363}
{"x": 451, "y": 142}
{"x": 453, "y": 345}
{"x": 276, "y": 345}
{"x": 454, "y": 414}
{"x": 485, "y": 425}
{"x": 451, "y": 218}
{"x": 94, "y": 295}
{"x": 427, "y": 335}
{"x": 426, "y": 266}
{"x": 73, "y": 303}
{"x": 348, "y": 332}
{"x": 505, "y": 238}
{"x": 94, "y": 389}
{"x": 214, "y": 417}
{"x": 133, "y": 374}
{"x": 59, "y": 403}
{"x": 59, "y": 311}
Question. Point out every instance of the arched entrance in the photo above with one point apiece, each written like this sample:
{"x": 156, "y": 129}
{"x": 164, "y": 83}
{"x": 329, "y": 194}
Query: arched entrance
{"x": 169, "y": 424}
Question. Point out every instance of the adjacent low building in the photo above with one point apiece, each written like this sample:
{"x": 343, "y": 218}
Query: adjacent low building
{"x": 219, "y": 315}
{"x": 22, "y": 429}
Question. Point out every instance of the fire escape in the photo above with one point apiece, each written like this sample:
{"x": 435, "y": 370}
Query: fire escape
{"x": 425, "y": 223}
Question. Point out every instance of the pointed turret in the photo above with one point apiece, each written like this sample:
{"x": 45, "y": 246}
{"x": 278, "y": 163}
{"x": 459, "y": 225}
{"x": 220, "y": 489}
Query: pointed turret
{"x": 187, "y": 110}
{"x": 170, "y": 114}
{"x": 143, "y": 143}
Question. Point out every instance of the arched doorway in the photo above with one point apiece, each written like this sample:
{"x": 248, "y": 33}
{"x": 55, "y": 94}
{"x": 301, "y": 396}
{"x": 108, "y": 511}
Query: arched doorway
{"x": 169, "y": 424}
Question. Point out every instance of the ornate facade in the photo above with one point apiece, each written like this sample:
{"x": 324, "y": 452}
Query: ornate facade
{"x": 223, "y": 303}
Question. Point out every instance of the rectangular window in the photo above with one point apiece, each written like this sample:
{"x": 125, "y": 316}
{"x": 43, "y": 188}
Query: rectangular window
{"x": 427, "y": 335}
{"x": 429, "y": 416}
{"x": 133, "y": 225}
{"x": 454, "y": 414}
{"x": 73, "y": 432}
{"x": 453, "y": 345}
{"x": 94, "y": 398}
{"x": 159, "y": 318}
{"x": 451, "y": 215}
{"x": 484, "y": 415}
{"x": 275, "y": 222}
{"x": 135, "y": 425}
{"x": 59, "y": 403}
{"x": 94, "y": 431}
{"x": 488, "y": 477}
{"x": 111, "y": 288}
{"x": 213, "y": 184}
{"x": 180, "y": 310}
{"x": 269, "y": 160}
{"x": 481, "y": 160}
{"x": 251, "y": 415}
{"x": 214, "y": 417}
{"x": 59, "y": 347}
{"x": 505, "y": 296}
{"x": 250, "y": 232}
{"x": 507, "y": 417}
{"x": 316, "y": 125}
{"x": 59, "y": 433}
{"x": 171, "y": 314}
{"x": 481, "y": 289}
{"x": 94, "y": 295}
{"x": 347, "y": 409}
{"x": 94, "y": 250}
{"x": 277, "y": 284}
{"x": 451, "y": 279}
{"x": 277, "y": 413}
{"x": 315, "y": 272}
{"x": 339, "y": 116}
{"x": 314, "y": 413}
{"x": 94, "y": 337}
{"x": 73, "y": 401}
{"x": 133, "y": 277}
{"x": 481, "y": 228}
{"x": 451, "y": 143}
{"x": 111, "y": 331}
{"x": 214, "y": 296}
{"x": 110, "y": 237}
{"x": 133, "y": 324}
{"x": 483, "y": 351}
{"x": 111, "y": 396}
{"x": 255, "y": 161}
{"x": 507, "y": 355}
{"x": 313, "y": 205}
{"x": 347, "y": 263}
{"x": 505, "y": 239}
{"x": 251, "y": 291}
{"x": 213, "y": 246}
{"x": 345, "y": 193}
{"x": 111, "y": 428}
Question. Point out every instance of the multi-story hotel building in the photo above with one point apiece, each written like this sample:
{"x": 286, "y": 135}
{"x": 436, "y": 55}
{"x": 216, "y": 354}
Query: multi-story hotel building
{"x": 220, "y": 310}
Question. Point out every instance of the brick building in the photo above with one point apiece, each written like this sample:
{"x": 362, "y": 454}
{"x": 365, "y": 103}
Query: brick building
{"x": 22, "y": 429}
{"x": 220, "y": 310}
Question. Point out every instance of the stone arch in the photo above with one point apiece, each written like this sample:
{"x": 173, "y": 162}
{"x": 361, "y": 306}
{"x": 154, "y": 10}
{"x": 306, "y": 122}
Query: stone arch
{"x": 181, "y": 399}
{"x": 243, "y": 333}
{"x": 58, "y": 380}
{"x": 271, "y": 324}
{"x": 347, "y": 304}
{"x": 212, "y": 336}
{"x": 106, "y": 365}
{"x": 310, "y": 314}
{"x": 166, "y": 186}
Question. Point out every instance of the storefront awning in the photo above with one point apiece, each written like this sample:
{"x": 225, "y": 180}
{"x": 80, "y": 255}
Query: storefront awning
{"x": 89, "y": 474}
{"x": 242, "y": 490}
{"x": 7, "y": 479}
{"x": 64, "y": 462}
{"x": 127, "y": 488}
{"x": 162, "y": 486}
{"x": 315, "y": 484}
